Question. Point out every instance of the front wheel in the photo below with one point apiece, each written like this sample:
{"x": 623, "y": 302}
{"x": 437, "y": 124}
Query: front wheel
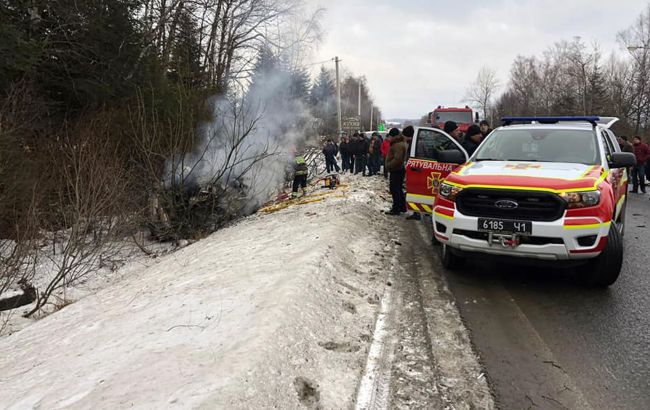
{"x": 449, "y": 260}
{"x": 604, "y": 269}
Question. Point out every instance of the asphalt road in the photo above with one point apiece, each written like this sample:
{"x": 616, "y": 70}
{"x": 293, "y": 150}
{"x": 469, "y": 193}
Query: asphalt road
{"x": 548, "y": 342}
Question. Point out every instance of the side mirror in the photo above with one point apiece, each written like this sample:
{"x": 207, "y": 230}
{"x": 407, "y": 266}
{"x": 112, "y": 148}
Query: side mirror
{"x": 476, "y": 117}
{"x": 622, "y": 160}
{"x": 451, "y": 156}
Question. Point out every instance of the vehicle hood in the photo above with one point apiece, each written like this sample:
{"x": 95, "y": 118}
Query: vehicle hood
{"x": 554, "y": 176}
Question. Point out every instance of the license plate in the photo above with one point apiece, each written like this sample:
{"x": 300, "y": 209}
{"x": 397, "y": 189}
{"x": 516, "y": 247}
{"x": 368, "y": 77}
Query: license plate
{"x": 505, "y": 226}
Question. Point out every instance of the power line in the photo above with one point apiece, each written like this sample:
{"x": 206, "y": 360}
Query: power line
{"x": 321, "y": 62}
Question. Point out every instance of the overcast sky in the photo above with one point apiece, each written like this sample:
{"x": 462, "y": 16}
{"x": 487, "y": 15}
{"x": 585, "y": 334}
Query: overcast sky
{"x": 419, "y": 54}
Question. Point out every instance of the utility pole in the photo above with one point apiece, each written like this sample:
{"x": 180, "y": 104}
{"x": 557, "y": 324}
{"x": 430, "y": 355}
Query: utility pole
{"x": 359, "y": 110}
{"x": 338, "y": 96}
{"x": 372, "y": 111}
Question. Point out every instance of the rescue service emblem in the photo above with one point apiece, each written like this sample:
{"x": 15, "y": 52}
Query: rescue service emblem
{"x": 433, "y": 182}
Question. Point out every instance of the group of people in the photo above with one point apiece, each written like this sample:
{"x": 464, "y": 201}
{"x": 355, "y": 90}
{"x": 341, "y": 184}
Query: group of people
{"x": 472, "y": 138}
{"x": 641, "y": 170}
{"x": 359, "y": 155}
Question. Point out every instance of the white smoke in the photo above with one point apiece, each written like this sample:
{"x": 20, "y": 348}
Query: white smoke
{"x": 247, "y": 144}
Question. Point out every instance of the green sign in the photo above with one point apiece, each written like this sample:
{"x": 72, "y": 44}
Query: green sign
{"x": 381, "y": 127}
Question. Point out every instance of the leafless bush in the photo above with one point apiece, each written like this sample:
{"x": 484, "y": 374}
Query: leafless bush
{"x": 90, "y": 200}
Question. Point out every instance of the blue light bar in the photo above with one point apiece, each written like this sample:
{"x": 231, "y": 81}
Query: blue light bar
{"x": 551, "y": 120}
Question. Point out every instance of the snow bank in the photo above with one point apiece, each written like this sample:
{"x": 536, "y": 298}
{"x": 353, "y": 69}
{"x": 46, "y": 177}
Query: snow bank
{"x": 121, "y": 260}
{"x": 276, "y": 311}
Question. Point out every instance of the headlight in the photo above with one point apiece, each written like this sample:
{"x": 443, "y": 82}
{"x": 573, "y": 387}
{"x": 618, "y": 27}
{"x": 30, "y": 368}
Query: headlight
{"x": 449, "y": 191}
{"x": 581, "y": 199}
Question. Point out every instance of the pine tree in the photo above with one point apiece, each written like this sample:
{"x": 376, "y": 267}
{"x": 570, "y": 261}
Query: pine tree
{"x": 185, "y": 64}
{"x": 323, "y": 103}
{"x": 299, "y": 85}
{"x": 597, "y": 91}
{"x": 267, "y": 65}
{"x": 323, "y": 89}
{"x": 92, "y": 50}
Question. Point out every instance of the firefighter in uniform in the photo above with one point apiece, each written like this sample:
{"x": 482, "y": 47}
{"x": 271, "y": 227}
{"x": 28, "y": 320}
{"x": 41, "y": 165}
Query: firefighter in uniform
{"x": 300, "y": 171}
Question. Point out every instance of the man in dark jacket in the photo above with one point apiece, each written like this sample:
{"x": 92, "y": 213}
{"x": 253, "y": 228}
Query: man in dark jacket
{"x": 485, "y": 128}
{"x": 626, "y": 147}
{"x": 625, "y": 144}
{"x": 642, "y": 153}
{"x": 395, "y": 165}
{"x": 452, "y": 129}
{"x": 472, "y": 139}
{"x": 330, "y": 151}
{"x": 345, "y": 154}
{"x": 352, "y": 149}
{"x": 374, "y": 154}
{"x": 361, "y": 155}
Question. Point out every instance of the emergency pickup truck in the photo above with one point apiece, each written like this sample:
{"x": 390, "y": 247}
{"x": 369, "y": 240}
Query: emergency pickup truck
{"x": 538, "y": 188}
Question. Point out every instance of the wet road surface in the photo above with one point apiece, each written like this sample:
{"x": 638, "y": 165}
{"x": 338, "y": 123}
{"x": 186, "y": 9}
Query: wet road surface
{"x": 548, "y": 342}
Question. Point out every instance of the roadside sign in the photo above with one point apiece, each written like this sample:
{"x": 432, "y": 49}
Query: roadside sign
{"x": 381, "y": 127}
{"x": 351, "y": 124}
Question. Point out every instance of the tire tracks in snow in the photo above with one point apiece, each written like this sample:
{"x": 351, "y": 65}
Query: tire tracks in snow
{"x": 374, "y": 389}
{"x": 420, "y": 356}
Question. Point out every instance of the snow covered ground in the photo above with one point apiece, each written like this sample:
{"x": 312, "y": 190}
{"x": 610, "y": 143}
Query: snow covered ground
{"x": 276, "y": 311}
{"x": 119, "y": 261}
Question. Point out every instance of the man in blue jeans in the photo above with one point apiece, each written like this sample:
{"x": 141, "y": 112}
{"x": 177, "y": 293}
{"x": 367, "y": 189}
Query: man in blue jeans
{"x": 642, "y": 153}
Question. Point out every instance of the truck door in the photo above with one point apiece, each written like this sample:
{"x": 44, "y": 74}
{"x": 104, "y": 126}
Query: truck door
{"x": 618, "y": 176}
{"x": 423, "y": 171}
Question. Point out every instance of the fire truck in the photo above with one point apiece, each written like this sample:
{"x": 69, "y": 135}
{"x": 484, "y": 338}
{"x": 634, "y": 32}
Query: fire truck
{"x": 464, "y": 117}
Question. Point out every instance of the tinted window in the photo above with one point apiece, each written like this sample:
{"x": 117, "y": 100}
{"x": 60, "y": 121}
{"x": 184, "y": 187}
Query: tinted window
{"x": 429, "y": 143}
{"x": 544, "y": 145}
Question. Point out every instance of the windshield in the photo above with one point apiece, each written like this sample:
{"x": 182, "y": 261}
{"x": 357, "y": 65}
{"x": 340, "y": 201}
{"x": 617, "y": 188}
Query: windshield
{"x": 543, "y": 145}
{"x": 457, "y": 117}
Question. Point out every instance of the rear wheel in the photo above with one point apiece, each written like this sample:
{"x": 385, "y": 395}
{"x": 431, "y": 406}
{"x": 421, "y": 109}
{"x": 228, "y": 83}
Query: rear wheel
{"x": 604, "y": 269}
{"x": 449, "y": 260}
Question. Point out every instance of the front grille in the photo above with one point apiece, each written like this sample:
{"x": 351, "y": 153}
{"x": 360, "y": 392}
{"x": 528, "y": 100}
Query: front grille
{"x": 531, "y": 205}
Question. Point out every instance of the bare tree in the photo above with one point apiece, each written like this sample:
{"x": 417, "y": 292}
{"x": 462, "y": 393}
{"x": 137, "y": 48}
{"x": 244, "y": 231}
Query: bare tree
{"x": 636, "y": 40}
{"x": 619, "y": 83}
{"x": 483, "y": 90}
